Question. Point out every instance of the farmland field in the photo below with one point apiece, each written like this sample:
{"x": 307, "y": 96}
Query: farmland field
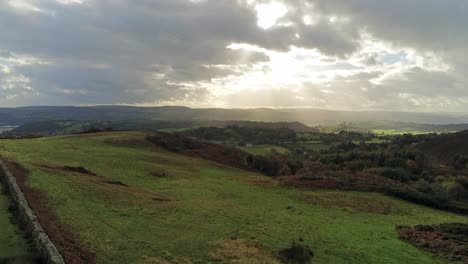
{"x": 125, "y": 211}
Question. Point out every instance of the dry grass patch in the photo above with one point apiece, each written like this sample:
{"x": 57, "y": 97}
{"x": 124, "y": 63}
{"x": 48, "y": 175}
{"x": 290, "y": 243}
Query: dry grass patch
{"x": 243, "y": 251}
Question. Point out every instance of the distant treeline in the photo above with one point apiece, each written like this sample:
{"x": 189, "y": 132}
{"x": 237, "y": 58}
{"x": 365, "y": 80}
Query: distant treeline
{"x": 245, "y": 134}
{"x": 63, "y": 127}
{"x": 22, "y": 115}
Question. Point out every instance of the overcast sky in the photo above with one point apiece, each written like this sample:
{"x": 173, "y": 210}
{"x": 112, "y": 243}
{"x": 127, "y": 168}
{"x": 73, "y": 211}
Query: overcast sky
{"x": 407, "y": 55}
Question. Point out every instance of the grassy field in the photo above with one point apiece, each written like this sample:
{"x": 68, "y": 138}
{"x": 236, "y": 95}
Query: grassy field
{"x": 202, "y": 211}
{"x": 263, "y": 149}
{"x": 12, "y": 244}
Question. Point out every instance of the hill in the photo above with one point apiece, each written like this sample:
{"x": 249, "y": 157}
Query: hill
{"x": 21, "y": 115}
{"x": 446, "y": 148}
{"x": 297, "y": 127}
{"x": 65, "y": 127}
{"x": 126, "y": 201}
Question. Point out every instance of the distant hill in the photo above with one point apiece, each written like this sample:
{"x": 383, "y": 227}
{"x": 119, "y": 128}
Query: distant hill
{"x": 403, "y": 126}
{"x": 445, "y": 147}
{"x": 297, "y": 127}
{"x": 63, "y": 127}
{"x": 21, "y": 115}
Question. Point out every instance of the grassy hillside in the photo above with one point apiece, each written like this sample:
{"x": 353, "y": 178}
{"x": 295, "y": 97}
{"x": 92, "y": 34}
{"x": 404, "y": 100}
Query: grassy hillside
{"x": 139, "y": 204}
{"x": 12, "y": 244}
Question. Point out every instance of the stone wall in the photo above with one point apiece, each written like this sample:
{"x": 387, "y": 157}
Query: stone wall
{"x": 28, "y": 220}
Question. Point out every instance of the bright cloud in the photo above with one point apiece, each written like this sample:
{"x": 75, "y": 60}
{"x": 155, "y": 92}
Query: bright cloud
{"x": 269, "y": 13}
{"x": 393, "y": 55}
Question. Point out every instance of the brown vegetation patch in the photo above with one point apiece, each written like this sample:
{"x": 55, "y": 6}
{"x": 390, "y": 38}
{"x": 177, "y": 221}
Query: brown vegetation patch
{"x": 367, "y": 182}
{"x": 273, "y": 165}
{"x": 242, "y": 251}
{"x": 69, "y": 246}
{"x": 206, "y": 150}
{"x": 79, "y": 169}
{"x": 450, "y": 240}
{"x": 220, "y": 154}
{"x": 341, "y": 180}
{"x": 113, "y": 182}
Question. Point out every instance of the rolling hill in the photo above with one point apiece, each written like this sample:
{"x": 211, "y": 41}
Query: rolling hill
{"x": 21, "y": 115}
{"x": 126, "y": 201}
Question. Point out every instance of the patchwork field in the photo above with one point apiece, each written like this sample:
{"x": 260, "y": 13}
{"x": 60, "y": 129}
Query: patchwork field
{"x": 134, "y": 203}
{"x": 12, "y": 244}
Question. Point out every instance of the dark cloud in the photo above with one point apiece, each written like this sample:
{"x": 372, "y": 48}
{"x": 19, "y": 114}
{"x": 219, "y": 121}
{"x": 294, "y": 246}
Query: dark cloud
{"x": 430, "y": 24}
{"x": 130, "y": 37}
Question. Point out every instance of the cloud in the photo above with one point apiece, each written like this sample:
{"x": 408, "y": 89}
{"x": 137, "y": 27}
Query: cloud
{"x": 354, "y": 54}
{"x": 431, "y": 25}
{"x": 13, "y": 84}
{"x": 129, "y": 38}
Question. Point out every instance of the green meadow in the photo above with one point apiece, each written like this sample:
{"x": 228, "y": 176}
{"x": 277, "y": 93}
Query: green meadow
{"x": 202, "y": 212}
{"x": 12, "y": 244}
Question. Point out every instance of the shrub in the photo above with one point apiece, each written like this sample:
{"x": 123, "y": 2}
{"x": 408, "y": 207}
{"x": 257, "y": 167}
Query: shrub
{"x": 397, "y": 174}
{"x": 455, "y": 190}
{"x": 298, "y": 253}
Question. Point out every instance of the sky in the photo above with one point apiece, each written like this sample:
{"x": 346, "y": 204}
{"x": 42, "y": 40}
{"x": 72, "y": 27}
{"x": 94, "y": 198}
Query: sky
{"x": 399, "y": 55}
